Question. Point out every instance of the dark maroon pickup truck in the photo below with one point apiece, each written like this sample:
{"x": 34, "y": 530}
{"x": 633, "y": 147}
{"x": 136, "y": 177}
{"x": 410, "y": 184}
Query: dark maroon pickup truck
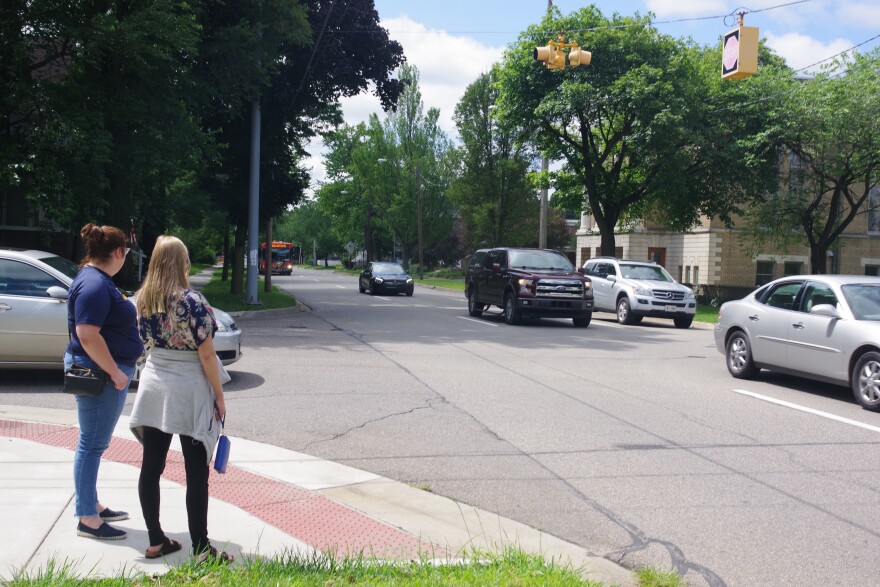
{"x": 528, "y": 283}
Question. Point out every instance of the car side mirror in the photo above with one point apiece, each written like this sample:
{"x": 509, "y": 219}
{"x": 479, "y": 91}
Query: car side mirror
{"x": 611, "y": 278}
{"x": 581, "y": 271}
{"x": 496, "y": 266}
{"x": 826, "y": 310}
{"x": 57, "y": 292}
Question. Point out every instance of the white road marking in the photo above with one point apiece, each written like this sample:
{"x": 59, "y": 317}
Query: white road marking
{"x": 341, "y": 287}
{"x": 483, "y": 322}
{"x": 808, "y": 410}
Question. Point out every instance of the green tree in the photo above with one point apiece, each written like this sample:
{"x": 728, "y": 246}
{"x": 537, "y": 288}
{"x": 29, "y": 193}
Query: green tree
{"x": 639, "y": 132}
{"x": 308, "y": 227}
{"x": 830, "y": 130}
{"x": 497, "y": 205}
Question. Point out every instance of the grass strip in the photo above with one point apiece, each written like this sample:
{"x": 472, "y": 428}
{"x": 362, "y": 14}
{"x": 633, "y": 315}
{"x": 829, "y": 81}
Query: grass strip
{"x": 510, "y": 567}
{"x": 217, "y": 292}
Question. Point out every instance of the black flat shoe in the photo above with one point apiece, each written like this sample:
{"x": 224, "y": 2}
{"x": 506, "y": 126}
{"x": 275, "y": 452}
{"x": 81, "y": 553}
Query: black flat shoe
{"x": 103, "y": 532}
{"x": 109, "y": 515}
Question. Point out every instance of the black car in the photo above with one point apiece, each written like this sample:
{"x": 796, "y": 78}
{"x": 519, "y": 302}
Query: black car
{"x": 383, "y": 277}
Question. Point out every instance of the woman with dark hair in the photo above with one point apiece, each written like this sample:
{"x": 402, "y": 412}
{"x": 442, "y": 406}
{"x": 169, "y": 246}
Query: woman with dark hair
{"x": 180, "y": 392}
{"x": 103, "y": 334}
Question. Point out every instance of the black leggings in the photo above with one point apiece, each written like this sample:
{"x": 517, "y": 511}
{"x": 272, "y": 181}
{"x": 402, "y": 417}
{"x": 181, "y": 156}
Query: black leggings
{"x": 195, "y": 459}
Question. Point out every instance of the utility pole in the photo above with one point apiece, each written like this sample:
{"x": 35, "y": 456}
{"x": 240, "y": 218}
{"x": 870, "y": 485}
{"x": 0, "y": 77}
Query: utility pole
{"x": 254, "y": 207}
{"x": 421, "y": 249}
{"x": 545, "y": 165}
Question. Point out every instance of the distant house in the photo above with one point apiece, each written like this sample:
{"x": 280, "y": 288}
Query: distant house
{"x": 710, "y": 253}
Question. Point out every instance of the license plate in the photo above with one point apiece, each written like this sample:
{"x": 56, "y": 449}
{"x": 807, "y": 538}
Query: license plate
{"x": 671, "y": 308}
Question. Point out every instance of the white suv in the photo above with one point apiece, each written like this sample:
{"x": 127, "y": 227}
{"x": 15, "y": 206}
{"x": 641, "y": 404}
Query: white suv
{"x": 635, "y": 289}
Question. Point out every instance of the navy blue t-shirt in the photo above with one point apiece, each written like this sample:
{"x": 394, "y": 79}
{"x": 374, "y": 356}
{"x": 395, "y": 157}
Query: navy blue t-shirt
{"x": 93, "y": 299}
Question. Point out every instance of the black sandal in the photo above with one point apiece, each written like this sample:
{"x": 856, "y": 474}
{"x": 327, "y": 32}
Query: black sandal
{"x": 168, "y": 547}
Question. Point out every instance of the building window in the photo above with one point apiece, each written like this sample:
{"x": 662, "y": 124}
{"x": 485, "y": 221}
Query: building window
{"x": 696, "y": 275}
{"x": 687, "y": 274}
{"x": 874, "y": 210}
{"x": 764, "y": 272}
{"x": 792, "y": 268}
{"x": 872, "y": 270}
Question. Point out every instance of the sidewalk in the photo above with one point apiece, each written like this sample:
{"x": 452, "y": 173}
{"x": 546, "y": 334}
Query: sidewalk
{"x": 270, "y": 501}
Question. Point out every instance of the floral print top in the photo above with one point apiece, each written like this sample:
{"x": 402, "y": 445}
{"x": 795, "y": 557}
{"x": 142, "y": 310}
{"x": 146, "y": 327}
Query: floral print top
{"x": 190, "y": 322}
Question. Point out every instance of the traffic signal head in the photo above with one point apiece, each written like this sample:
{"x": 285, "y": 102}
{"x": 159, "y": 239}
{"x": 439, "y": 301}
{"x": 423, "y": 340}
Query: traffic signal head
{"x": 552, "y": 57}
{"x": 740, "y": 53}
{"x": 578, "y": 56}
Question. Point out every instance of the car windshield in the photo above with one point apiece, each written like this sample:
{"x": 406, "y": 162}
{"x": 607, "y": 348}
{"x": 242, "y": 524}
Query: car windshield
{"x": 65, "y": 266}
{"x": 539, "y": 261}
{"x": 391, "y": 268}
{"x": 864, "y": 300}
{"x": 649, "y": 272}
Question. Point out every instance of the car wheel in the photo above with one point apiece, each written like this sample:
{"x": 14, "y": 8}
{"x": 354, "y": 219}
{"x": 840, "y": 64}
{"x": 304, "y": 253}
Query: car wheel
{"x": 739, "y": 357}
{"x": 409, "y": 293}
{"x": 582, "y": 322}
{"x": 361, "y": 288}
{"x": 511, "y": 313}
{"x": 474, "y": 309}
{"x": 373, "y": 289}
{"x": 683, "y": 322}
{"x": 866, "y": 381}
{"x": 624, "y": 312}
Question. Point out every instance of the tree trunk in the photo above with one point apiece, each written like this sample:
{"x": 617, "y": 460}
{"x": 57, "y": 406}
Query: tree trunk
{"x": 226, "y": 260}
{"x": 818, "y": 260}
{"x": 237, "y": 282}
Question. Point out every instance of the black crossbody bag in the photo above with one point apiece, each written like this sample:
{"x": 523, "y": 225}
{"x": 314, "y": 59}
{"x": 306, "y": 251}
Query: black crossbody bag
{"x": 79, "y": 380}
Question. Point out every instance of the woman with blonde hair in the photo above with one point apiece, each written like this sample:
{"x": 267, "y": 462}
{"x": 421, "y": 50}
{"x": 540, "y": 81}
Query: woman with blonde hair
{"x": 103, "y": 334}
{"x": 180, "y": 392}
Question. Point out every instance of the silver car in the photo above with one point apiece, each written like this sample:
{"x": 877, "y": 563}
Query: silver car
{"x": 33, "y": 312}
{"x": 635, "y": 289}
{"x": 823, "y": 327}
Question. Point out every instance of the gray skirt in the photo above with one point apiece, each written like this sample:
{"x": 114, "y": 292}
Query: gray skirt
{"x": 174, "y": 396}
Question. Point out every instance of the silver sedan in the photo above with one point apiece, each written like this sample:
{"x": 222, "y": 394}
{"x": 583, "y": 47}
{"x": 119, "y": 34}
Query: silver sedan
{"x": 823, "y": 327}
{"x": 33, "y": 312}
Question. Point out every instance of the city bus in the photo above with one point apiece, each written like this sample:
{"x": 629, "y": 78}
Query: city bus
{"x": 284, "y": 255}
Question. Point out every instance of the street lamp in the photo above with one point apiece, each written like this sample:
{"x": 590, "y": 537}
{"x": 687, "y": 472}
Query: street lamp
{"x": 419, "y": 221}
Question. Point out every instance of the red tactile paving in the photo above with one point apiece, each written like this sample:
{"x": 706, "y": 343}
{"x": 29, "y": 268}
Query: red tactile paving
{"x": 305, "y": 515}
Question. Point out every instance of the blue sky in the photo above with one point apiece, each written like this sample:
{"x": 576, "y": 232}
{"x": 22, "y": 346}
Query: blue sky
{"x": 453, "y": 41}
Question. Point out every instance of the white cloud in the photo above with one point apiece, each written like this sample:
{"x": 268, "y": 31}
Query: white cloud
{"x": 685, "y": 9}
{"x": 859, "y": 14}
{"x": 447, "y": 65}
{"x": 800, "y": 50}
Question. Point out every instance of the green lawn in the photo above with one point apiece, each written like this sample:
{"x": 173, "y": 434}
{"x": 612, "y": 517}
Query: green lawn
{"x": 218, "y": 295}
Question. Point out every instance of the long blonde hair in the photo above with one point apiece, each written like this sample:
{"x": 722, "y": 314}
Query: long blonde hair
{"x": 167, "y": 275}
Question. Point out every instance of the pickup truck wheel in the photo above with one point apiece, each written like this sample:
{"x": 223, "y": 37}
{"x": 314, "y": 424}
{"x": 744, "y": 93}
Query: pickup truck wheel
{"x": 582, "y": 322}
{"x": 624, "y": 312}
{"x": 474, "y": 309}
{"x": 511, "y": 313}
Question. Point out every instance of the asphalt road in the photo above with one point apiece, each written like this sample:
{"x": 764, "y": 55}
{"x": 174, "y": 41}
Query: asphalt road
{"x": 632, "y": 441}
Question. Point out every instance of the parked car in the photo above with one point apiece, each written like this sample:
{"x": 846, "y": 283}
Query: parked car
{"x": 635, "y": 289}
{"x": 384, "y": 277}
{"x": 528, "y": 283}
{"x": 33, "y": 312}
{"x": 822, "y": 327}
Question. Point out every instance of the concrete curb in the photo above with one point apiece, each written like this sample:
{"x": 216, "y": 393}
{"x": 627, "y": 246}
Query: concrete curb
{"x": 455, "y": 528}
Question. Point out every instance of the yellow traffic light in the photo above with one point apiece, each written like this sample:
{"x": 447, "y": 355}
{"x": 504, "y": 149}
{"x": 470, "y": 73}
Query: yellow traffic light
{"x": 550, "y": 55}
{"x": 740, "y": 52}
{"x": 578, "y": 56}
{"x": 553, "y": 55}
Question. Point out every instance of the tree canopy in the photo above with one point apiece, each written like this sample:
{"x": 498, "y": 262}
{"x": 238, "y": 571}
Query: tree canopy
{"x": 641, "y": 131}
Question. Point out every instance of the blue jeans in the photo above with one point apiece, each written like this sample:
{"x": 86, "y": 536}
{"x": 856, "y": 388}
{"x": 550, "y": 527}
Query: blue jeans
{"x": 97, "y": 419}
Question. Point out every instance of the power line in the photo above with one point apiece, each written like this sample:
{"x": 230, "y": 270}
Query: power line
{"x": 587, "y": 30}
